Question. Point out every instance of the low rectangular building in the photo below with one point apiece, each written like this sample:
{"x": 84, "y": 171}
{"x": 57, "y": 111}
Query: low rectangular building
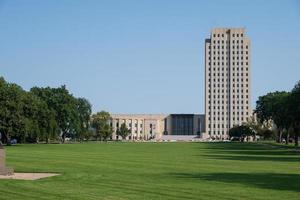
{"x": 158, "y": 126}
{"x": 141, "y": 126}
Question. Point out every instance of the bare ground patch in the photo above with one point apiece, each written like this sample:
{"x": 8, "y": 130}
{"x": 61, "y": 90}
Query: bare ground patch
{"x": 28, "y": 176}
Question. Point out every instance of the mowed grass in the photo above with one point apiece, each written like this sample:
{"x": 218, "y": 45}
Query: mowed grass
{"x": 155, "y": 171}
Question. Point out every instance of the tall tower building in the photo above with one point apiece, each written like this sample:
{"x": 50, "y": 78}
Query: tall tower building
{"x": 227, "y": 81}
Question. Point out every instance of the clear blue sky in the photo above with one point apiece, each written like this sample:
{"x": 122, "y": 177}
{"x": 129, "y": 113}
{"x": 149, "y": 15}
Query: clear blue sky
{"x": 142, "y": 56}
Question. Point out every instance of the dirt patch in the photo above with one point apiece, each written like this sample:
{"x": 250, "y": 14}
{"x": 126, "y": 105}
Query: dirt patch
{"x": 28, "y": 176}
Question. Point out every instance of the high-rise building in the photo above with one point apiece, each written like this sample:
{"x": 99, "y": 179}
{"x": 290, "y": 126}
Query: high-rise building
{"x": 227, "y": 81}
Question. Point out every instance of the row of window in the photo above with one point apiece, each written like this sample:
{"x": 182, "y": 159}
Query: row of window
{"x": 228, "y": 46}
{"x": 227, "y": 96}
{"x": 233, "y": 63}
{"x": 233, "y": 107}
{"x": 237, "y": 102}
{"x": 222, "y": 97}
{"x": 233, "y": 79}
{"x": 227, "y": 41}
{"x": 214, "y": 126}
{"x": 233, "y": 85}
{"x": 227, "y": 91}
{"x": 219, "y": 118}
{"x": 222, "y": 68}
{"x": 226, "y": 58}
{"x": 222, "y": 91}
{"x": 216, "y": 132}
{"x": 233, "y": 74}
{"x": 227, "y": 52}
{"x": 130, "y": 125}
{"x": 233, "y": 112}
{"x": 135, "y": 125}
{"x": 232, "y": 35}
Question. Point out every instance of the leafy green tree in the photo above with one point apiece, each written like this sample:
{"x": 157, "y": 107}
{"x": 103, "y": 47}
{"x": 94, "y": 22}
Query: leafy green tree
{"x": 41, "y": 114}
{"x": 294, "y": 111}
{"x": 106, "y": 132}
{"x": 262, "y": 129}
{"x": 273, "y": 106}
{"x": 32, "y": 106}
{"x": 64, "y": 106}
{"x": 241, "y": 132}
{"x": 84, "y": 111}
{"x": 100, "y": 122}
{"x": 123, "y": 131}
{"x": 48, "y": 127}
{"x": 267, "y": 134}
{"x": 11, "y": 118}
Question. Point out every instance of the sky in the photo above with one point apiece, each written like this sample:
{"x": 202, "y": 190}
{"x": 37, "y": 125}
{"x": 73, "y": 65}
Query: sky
{"x": 142, "y": 56}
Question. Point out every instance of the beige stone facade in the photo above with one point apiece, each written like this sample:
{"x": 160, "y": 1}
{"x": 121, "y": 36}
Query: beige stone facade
{"x": 142, "y": 126}
{"x": 227, "y": 81}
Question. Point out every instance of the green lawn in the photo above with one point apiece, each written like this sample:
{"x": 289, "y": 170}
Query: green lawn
{"x": 155, "y": 171}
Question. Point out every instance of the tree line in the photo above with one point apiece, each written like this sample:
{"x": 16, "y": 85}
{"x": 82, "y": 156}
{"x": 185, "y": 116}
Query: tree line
{"x": 41, "y": 114}
{"x": 277, "y": 117}
{"x": 45, "y": 114}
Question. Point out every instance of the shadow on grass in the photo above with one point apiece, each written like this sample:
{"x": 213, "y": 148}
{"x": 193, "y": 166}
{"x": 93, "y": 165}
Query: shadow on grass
{"x": 237, "y": 146}
{"x": 248, "y": 146}
{"x": 261, "y": 152}
{"x": 288, "y": 182}
{"x": 250, "y": 152}
{"x": 253, "y": 158}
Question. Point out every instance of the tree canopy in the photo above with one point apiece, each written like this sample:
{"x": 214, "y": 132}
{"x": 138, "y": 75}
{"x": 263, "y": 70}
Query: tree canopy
{"x": 283, "y": 109}
{"x": 241, "y": 132}
{"x": 41, "y": 113}
{"x": 100, "y": 122}
{"x": 123, "y": 131}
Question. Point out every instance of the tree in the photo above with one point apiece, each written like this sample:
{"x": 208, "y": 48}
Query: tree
{"x": 41, "y": 113}
{"x": 11, "y": 110}
{"x": 241, "y": 132}
{"x": 267, "y": 134}
{"x": 84, "y": 110}
{"x": 294, "y": 111}
{"x": 106, "y": 132}
{"x": 262, "y": 129}
{"x": 64, "y": 105}
{"x": 32, "y": 108}
{"x": 273, "y": 106}
{"x": 100, "y": 122}
{"x": 123, "y": 131}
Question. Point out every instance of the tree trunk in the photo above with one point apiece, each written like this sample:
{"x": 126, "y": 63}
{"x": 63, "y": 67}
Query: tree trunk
{"x": 6, "y": 139}
{"x": 280, "y": 136}
{"x": 296, "y": 132}
{"x": 296, "y": 138}
{"x": 287, "y": 138}
{"x": 63, "y": 138}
